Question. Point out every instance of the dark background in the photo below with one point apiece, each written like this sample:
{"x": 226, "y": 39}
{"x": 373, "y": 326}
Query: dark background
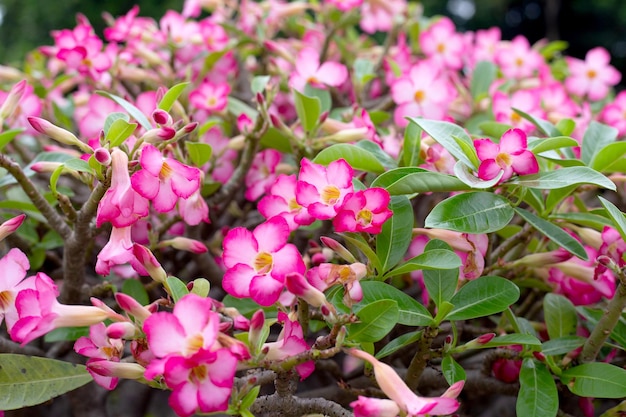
{"x": 26, "y": 24}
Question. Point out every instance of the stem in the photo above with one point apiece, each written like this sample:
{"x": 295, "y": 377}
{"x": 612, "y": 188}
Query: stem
{"x": 295, "y": 406}
{"x": 55, "y": 220}
{"x": 510, "y": 243}
{"x": 607, "y": 323}
{"x": 418, "y": 363}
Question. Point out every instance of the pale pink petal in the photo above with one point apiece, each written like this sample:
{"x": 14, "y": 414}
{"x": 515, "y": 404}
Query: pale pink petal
{"x": 184, "y": 399}
{"x": 204, "y": 320}
{"x": 272, "y": 234}
{"x": 322, "y": 211}
{"x": 166, "y": 199}
{"x": 307, "y": 62}
{"x": 265, "y": 290}
{"x": 486, "y": 149}
{"x": 513, "y": 140}
{"x": 312, "y": 173}
{"x": 240, "y": 247}
{"x": 525, "y": 163}
{"x": 377, "y": 198}
{"x": 13, "y": 266}
{"x": 165, "y": 334}
{"x": 306, "y": 194}
{"x": 151, "y": 160}
{"x": 332, "y": 73}
{"x": 403, "y": 91}
{"x": 287, "y": 260}
{"x": 145, "y": 184}
{"x": 212, "y": 398}
{"x": 340, "y": 173}
{"x": 237, "y": 280}
{"x": 223, "y": 370}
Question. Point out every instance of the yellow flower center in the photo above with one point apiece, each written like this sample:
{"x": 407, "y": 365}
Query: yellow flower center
{"x": 519, "y": 62}
{"x": 166, "y": 171}
{"x": 503, "y": 160}
{"x": 419, "y": 96}
{"x": 263, "y": 263}
{"x": 293, "y": 205}
{"x": 194, "y": 344}
{"x": 6, "y": 299}
{"x": 441, "y": 48}
{"x": 592, "y": 74}
{"x": 330, "y": 195}
{"x": 364, "y": 217}
{"x": 516, "y": 118}
{"x": 198, "y": 374}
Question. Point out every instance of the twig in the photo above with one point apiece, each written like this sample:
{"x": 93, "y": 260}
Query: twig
{"x": 295, "y": 406}
{"x": 421, "y": 357}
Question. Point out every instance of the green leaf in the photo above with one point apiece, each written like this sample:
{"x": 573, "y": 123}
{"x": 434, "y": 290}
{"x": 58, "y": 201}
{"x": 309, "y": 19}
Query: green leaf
{"x": 463, "y": 173}
{"x": 120, "y": 131}
{"x": 441, "y": 284}
{"x": 482, "y": 77}
{"x": 199, "y": 152}
{"x": 65, "y": 334}
{"x": 544, "y": 126}
{"x": 79, "y": 165}
{"x": 8, "y": 135}
{"x": 172, "y": 95}
{"x": 259, "y": 83}
{"x": 394, "y": 239}
{"x": 566, "y": 126}
{"x": 54, "y": 178}
{"x": 494, "y": 129}
{"x": 276, "y": 139}
{"x": 554, "y": 233}
{"x": 598, "y": 380}
{"x": 618, "y": 411}
{"x": 616, "y": 215}
{"x": 237, "y": 107}
{"x": 585, "y": 219}
{"x": 411, "y": 180}
{"x": 308, "y": 109}
{"x": 538, "y": 396}
{"x": 445, "y": 133}
{"x": 483, "y": 297}
{"x": 452, "y": 371}
{"x": 610, "y": 158}
{"x": 596, "y": 137}
{"x": 176, "y": 288}
{"x": 358, "y": 241}
{"x": 474, "y": 212}
{"x": 323, "y": 95}
{"x": 376, "y": 320}
{"x": 357, "y": 157}
{"x": 436, "y": 259}
{"x": 549, "y": 144}
{"x": 249, "y": 398}
{"x": 30, "y": 380}
{"x": 411, "y": 145}
{"x": 411, "y": 312}
{"x": 512, "y": 339}
{"x": 560, "y": 316}
{"x": 562, "y": 345}
{"x": 133, "y": 111}
{"x": 111, "y": 118}
{"x": 135, "y": 289}
{"x": 383, "y": 157}
{"x": 363, "y": 70}
{"x": 563, "y": 177}
{"x": 399, "y": 342}
{"x": 201, "y": 287}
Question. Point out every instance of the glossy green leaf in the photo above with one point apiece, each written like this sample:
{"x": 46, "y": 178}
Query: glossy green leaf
{"x": 463, "y": 173}
{"x": 308, "y": 109}
{"x": 54, "y": 178}
{"x": 474, "y": 212}
{"x": 482, "y": 297}
{"x": 324, "y": 97}
{"x": 411, "y": 145}
{"x": 135, "y": 289}
{"x": 560, "y": 316}
{"x": 597, "y": 379}
{"x": 556, "y": 196}
{"x": 78, "y": 165}
{"x": 120, "y": 131}
{"x": 584, "y": 219}
{"x": 375, "y": 321}
{"x": 435, "y": 259}
{"x": 394, "y": 239}
{"x": 493, "y": 129}
{"x": 538, "y": 396}
{"x": 30, "y": 380}
{"x": 548, "y": 144}
{"x": 238, "y": 107}
{"x": 112, "y": 118}
{"x": 563, "y": 177}
{"x": 566, "y": 126}
{"x": 411, "y": 312}
{"x": 383, "y": 157}
{"x": 610, "y": 158}
{"x": 554, "y": 233}
{"x": 398, "y": 343}
{"x": 357, "y": 157}
{"x": 259, "y": 83}
{"x": 358, "y": 241}
{"x": 596, "y": 137}
{"x": 199, "y": 152}
{"x": 512, "y": 339}
{"x": 452, "y": 371}
{"x": 412, "y": 180}
{"x": 482, "y": 77}
{"x": 132, "y": 110}
{"x": 66, "y": 334}
{"x": 8, "y": 135}
{"x": 445, "y": 133}
{"x": 544, "y": 126}
{"x": 201, "y": 287}
{"x": 176, "y": 288}
{"x": 172, "y": 95}
{"x": 562, "y": 345}
{"x": 441, "y": 284}
{"x": 275, "y": 139}
{"x": 616, "y": 215}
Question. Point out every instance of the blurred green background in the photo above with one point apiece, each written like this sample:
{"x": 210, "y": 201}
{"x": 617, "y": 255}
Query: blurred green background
{"x": 26, "y": 24}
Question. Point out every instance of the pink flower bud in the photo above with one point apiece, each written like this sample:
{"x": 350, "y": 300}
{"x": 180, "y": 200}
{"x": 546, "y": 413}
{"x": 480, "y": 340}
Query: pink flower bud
{"x": 485, "y": 338}
{"x": 132, "y": 307}
{"x": 161, "y": 117}
{"x": 190, "y": 127}
{"x": 149, "y": 262}
{"x": 117, "y": 369}
{"x": 159, "y": 135}
{"x": 323, "y": 116}
{"x": 11, "y": 226}
{"x": 338, "y": 248}
{"x": 299, "y": 286}
{"x": 60, "y": 135}
{"x": 260, "y": 99}
{"x": 184, "y": 243}
{"x": 539, "y": 356}
{"x": 45, "y": 166}
{"x": 103, "y": 156}
{"x": 121, "y": 330}
{"x": 12, "y": 99}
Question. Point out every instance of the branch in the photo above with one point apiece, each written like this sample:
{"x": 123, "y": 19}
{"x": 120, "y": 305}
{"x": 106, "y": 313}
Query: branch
{"x": 54, "y": 218}
{"x": 419, "y": 361}
{"x": 295, "y": 406}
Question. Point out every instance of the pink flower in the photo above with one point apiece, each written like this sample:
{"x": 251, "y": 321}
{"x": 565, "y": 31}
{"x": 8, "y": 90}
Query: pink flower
{"x": 121, "y": 204}
{"x": 485, "y": 44}
{"x": 507, "y": 370}
{"x": 321, "y": 189}
{"x": 379, "y": 15}
{"x": 345, "y": 5}
{"x": 164, "y": 180}
{"x": 308, "y": 70}
{"x": 511, "y": 156}
{"x": 99, "y": 347}
{"x": 290, "y": 342}
{"x": 395, "y": 388}
{"x": 528, "y": 101}
{"x": 281, "y": 201}
{"x": 517, "y": 59}
{"x": 614, "y": 114}
{"x": 194, "y": 209}
{"x": 200, "y": 383}
{"x": 11, "y": 225}
{"x": 374, "y": 407}
{"x": 363, "y": 211}
{"x": 118, "y": 251}
{"x": 423, "y": 92}
{"x": 210, "y": 97}
{"x": 13, "y": 266}
{"x": 257, "y": 262}
{"x": 18, "y": 105}
{"x": 262, "y": 174}
{"x": 592, "y": 77}
{"x": 326, "y": 275}
{"x": 443, "y": 44}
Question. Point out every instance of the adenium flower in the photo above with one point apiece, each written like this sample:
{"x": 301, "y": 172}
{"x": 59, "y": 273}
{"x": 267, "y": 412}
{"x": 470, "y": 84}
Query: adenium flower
{"x": 290, "y": 342}
{"x": 210, "y": 97}
{"x": 118, "y": 251}
{"x": 262, "y": 173}
{"x": 13, "y": 266}
{"x": 441, "y": 42}
{"x": 258, "y": 261}
{"x": 326, "y": 275}
{"x": 614, "y": 114}
{"x": 593, "y": 77}
{"x": 321, "y": 189}
{"x": 363, "y": 211}
{"x": 99, "y": 347}
{"x": 308, "y": 70}
{"x": 517, "y": 59}
{"x": 511, "y": 156}
{"x": 281, "y": 201}
{"x": 164, "y": 180}
{"x": 528, "y": 101}
{"x": 11, "y": 225}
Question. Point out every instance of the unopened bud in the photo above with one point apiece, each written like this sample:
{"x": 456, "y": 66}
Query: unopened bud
{"x": 323, "y": 116}
{"x": 149, "y": 262}
{"x": 190, "y": 127}
{"x": 338, "y": 248}
{"x": 298, "y": 285}
{"x": 12, "y": 99}
{"x": 102, "y": 156}
{"x": 121, "y": 330}
{"x": 159, "y": 134}
{"x": 161, "y": 117}
{"x": 59, "y": 134}
{"x": 184, "y": 243}
{"x": 117, "y": 369}
{"x": 539, "y": 356}
{"x": 260, "y": 99}
{"x": 132, "y": 307}
{"x": 485, "y": 338}
{"x": 11, "y": 226}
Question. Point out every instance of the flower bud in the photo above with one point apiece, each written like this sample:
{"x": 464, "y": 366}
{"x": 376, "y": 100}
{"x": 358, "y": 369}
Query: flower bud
{"x": 117, "y": 369}
{"x": 338, "y": 248}
{"x": 299, "y": 286}
{"x": 60, "y": 135}
{"x": 161, "y": 117}
{"x": 132, "y": 307}
{"x": 121, "y": 330}
{"x": 11, "y": 226}
{"x": 12, "y": 100}
{"x": 149, "y": 262}
{"x": 102, "y": 156}
{"x": 184, "y": 243}
{"x": 159, "y": 134}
